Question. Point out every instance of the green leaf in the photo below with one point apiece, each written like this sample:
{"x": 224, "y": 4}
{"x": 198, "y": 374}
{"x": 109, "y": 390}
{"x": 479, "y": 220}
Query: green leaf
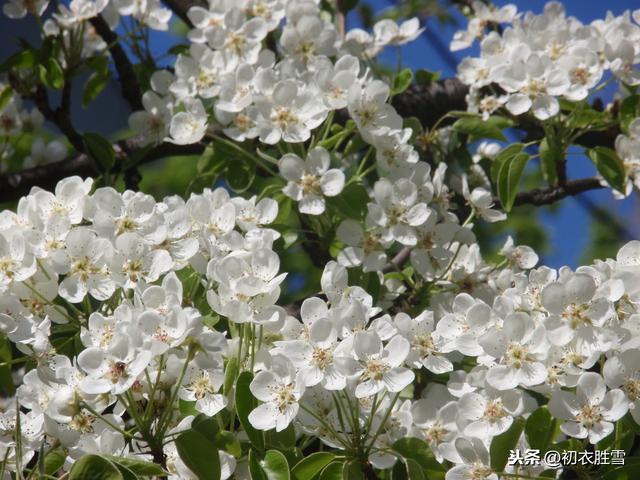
{"x": 629, "y": 110}
{"x": 6, "y": 379}
{"x": 402, "y": 81}
{"x": 255, "y": 470}
{"x": 101, "y": 150}
{"x": 610, "y": 166}
{"x": 550, "y": 154}
{"x": 476, "y": 127}
{"x": 5, "y": 96}
{"x": 229, "y": 442}
{"x": 509, "y": 178}
{"x": 588, "y": 117}
{"x": 310, "y": 466}
{"x": 125, "y": 472}
{"x": 416, "y": 127}
{"x": 415, "y": 471}
{"x": 540, "y": 429}
{"x": 199, "y": 454}
{"x": 352, "y": 471}
{"x": 210, "y": 320}
{"x": 503, "y": 443}
{"x": 230, "y": 373}
{"x": 419, "y": 451}
{"x": 94, "y": 467}
{"x": 141, "y": 468}
{"x": 626, "y": 472}
{"x": 506, "y": 154}
{"x": 245, "y": 403}
{"x": 352, "y": 201}
{"x": 240, "y": 174}
{"x": 55, "y": 74}
{"x": 187, "y": 408}
{"x": 23, "y": 59}
{"x": 426, "y": 77}
{"x": 283, "y": 439}
{"x": 206, "y": 426}
{"x": 275, "y": 466}
{"x": 96, "y": 83}
{"x": 407, "y": 469}
{"x": 333, "y": 471}
{"x": 54, "y": 461}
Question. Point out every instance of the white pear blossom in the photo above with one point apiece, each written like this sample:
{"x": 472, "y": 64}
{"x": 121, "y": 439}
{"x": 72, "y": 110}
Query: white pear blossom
{"x": 591, "y": 411}
{"x": 311, "y": 180}
{"x": 280, "y": 390}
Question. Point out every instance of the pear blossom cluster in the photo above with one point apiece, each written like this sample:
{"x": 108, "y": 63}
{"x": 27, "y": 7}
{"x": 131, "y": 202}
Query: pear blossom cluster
{"x": 527, "y": 330}
{"x": 538, "y": 60}
{"x": 135, "y": 318}
{"x": 230, "y": 81}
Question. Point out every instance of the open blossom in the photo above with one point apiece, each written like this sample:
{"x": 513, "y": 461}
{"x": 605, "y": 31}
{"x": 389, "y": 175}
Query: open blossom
{"x": 397, "y": 209}
{"x": 483, "y": 16}
{"x": 132, "y": 323}
{"x": 280, "y": 390}
{"x": 311, "y": 180}
{"x": 190, "y": 125}
{"x": 388, "y": 32}
{"x": 19, "y": 8}
{"x": 378, "y": 368}
{"x": 78, "y": 11}
{"x": 591, "y": 411}
{"x": 519, "y": 348}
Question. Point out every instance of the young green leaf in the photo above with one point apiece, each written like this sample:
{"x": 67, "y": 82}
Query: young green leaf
{"x": 477, "y": 128}
{"x": 96, "y": 83}
{"x": 504, "y": 443}
{"x": 140, "y": 468}
{"x": 333, "y": 471}
{"x": 540, "y": 429}
{"x": 426, "y": 77}
{"x": 94, "y": 467}
{"x": 255, "y": 469}
{"x": 402, "y": 81}
{"x": 550, "y": 155}
{"x": 101, "y": 150}
{"x": 275, "y": 466}
{"x": 245, "y": 403}
{"x": 310, "y": 466}
{"x": 418, "y": 451}
{"x": 629, "y": 110}
{"x": 199, "y": 454}
{"x": 610, "y": 166}
{"x": 509, "y": 178}
{"x": 505, "y": 155}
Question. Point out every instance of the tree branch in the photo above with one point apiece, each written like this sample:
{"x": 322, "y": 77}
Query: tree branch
{"x": 61, "y": 116}
{"x": 547, "y": 195}
{"x": 126, "y": 75}
{"x": 18, "y": 184}
{"x": 181, "y": 7}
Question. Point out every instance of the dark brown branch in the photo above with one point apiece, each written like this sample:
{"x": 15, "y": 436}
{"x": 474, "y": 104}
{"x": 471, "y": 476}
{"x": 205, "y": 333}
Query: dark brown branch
{"x": 547, "y": 195}
{"x": 60, "y": 117}
{"x": 181, "y": 7}
{"x": 126, "y": 75}
{"x": 18, "y": 184}
{"x": 428, "y": 103}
